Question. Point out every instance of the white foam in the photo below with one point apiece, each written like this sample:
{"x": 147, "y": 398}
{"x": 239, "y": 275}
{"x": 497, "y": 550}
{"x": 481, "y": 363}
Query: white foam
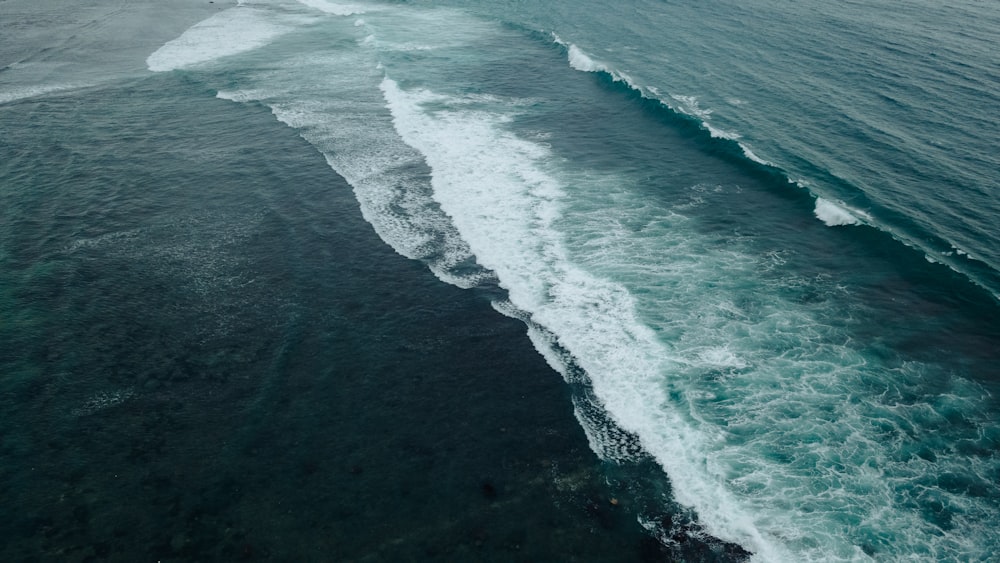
{"x": 581, "y": 61}
{"x": 718, "y": 133}
{"x": 753, "y": 156}
{"x": 607, "y": 440}
{"x": 370, "y": 165}
{"x": 237, "y": 95}
{"x": 34, "y": 91}
{"x": 116, "y": 237}
{"x": 505, "y": 204}
{"x": 544, "y": 343}
{"x": 653, "y": 358}
{"x": 103, "y": 400}
{"x": 721, "y": 133}
{"x": 721, "y": 357}
{"x": 335, "y": 8}
{"x": 227, "y": 33}
{"x": 714, "y": 406}
{"x": 345, "y": 118}
{"x": 689, "y": 105}
{"x": 834, "y": 215}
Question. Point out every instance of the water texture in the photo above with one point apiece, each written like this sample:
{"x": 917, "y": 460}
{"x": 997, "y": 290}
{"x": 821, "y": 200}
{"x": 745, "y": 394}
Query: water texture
{"x": 757, "y": 243}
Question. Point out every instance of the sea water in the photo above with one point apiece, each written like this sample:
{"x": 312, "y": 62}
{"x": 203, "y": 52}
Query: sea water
{"x": 757, "y": 241}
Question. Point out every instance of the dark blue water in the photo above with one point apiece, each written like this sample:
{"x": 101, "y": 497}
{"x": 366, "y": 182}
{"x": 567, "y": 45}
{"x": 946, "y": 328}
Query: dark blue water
{"x": 755, "y": 242}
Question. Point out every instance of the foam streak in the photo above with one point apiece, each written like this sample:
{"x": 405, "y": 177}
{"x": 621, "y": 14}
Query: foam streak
{"x": 227, "y": 33}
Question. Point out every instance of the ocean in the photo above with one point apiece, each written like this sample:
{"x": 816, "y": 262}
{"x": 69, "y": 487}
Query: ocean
{"x": 656, "y": 280}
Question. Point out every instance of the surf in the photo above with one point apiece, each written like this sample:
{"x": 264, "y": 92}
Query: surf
{"x": 741, "y": 377}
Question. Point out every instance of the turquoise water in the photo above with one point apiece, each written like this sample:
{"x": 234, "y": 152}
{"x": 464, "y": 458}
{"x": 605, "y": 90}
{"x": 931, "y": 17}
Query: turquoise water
{"x": 756, "y": 241}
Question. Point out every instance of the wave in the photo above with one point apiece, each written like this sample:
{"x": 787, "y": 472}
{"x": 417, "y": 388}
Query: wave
{"x": 230, "y": 32}
{"x": 388, "y": 177}
{"x": 834, "y": 215}
{"x": 726, "y": 144}
{"x": 744, "y": 408}
{"x": 28, "y": 92}
{"x": 721, "y": 407}
{"x": 504, "y": 203}
{"x": 25, "y": 80}
{"x": 336, "y": 8}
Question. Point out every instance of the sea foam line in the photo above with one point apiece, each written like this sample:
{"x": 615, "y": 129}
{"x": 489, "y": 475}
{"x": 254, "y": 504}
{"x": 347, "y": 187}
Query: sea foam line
{"x": 507, "y": 201}
{"x": 504, "y": 203}
{"x": 336, "y": 8}
{"x": 34, "y": 91}
{"x": 344, "y": 117}
{"x": 834, "y": 215}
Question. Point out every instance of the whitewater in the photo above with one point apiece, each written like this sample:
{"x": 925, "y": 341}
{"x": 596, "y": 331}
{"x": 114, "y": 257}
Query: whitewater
{"x": 748, "y": 314}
